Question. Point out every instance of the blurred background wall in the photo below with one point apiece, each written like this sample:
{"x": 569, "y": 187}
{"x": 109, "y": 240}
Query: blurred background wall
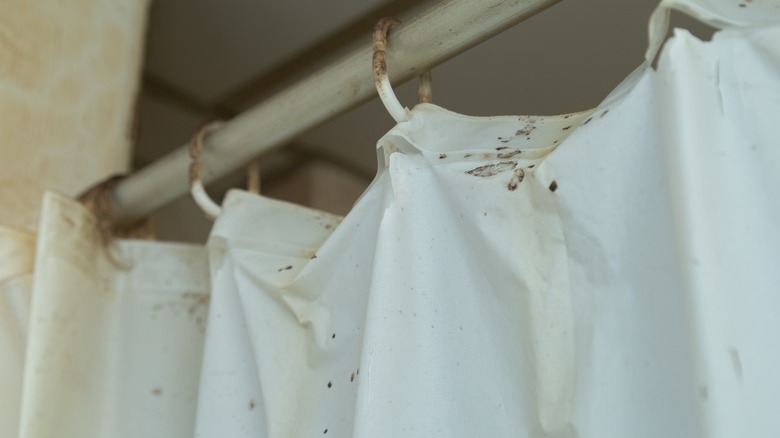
{"x": 69, "y": 74}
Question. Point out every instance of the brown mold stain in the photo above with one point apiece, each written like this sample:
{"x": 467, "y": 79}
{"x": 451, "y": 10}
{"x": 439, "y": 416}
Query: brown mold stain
{"x": 510, "y": 154}
{"x": 517, "y": 177}
{"x": 492, "y": 169}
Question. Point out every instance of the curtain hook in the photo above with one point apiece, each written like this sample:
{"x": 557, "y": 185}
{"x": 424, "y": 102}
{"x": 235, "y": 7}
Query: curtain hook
{"x": 379, "y": 67}
{"x": 211, "y": 208}
{"x": 425, "y": 90}
{"x": 253, "y": 177}
{"x": 97, "y": 199}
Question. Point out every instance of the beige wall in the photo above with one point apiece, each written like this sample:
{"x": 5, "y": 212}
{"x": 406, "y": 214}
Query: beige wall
{"x": 68, "y": 80}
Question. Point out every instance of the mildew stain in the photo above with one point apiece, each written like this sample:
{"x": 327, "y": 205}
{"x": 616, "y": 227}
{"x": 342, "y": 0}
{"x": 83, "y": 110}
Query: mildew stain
{"x": 517, "y": 177}
{"x": 492, "y": 169}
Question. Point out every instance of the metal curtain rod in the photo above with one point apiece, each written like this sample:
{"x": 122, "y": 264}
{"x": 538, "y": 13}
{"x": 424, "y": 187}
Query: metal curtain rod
{"x": 436, "y": 35}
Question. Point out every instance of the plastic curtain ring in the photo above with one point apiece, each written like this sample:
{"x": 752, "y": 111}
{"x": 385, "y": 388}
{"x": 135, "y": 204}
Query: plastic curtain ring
{"x": 209, "y": 207}
{"x": 425, "y": 91}
{"x": 253, "y": 177}
{"x": 98, "y": 200}
{"x": 379, "y": 67}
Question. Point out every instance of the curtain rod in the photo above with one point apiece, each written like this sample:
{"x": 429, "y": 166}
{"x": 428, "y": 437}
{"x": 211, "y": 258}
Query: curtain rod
{"x": 432, "y": 37}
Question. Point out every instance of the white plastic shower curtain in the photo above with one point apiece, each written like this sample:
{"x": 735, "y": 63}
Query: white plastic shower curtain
{"x": 115, "y": 335}
{"x": 602, "y": 274}
{"x": 609, "y": 273}
{"x": 17, "y": 252}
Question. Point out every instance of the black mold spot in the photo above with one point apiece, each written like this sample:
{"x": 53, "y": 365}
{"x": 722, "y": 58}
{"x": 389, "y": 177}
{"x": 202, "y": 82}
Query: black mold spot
{"x": 442, "y": 156}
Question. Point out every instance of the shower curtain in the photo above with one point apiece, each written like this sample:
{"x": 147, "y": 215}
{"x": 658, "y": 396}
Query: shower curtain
{"x": 17, "y": 252}
{"x": 602, "y": 274}
{"x": 608, "y": 273}
{"x": 68, "y": 81}
{"x": 116, "y": 332}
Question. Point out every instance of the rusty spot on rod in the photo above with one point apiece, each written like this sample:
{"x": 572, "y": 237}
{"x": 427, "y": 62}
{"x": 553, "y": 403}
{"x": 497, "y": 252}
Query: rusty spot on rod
{"x": 97, "y": 199}
{"x": 195, "y": 148}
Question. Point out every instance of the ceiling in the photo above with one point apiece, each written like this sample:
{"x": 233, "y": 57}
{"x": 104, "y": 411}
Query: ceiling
{"x": 207, "y": 60}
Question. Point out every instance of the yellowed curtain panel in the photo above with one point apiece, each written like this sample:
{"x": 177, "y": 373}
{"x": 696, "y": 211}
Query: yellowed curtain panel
{"x": 115, "y": 341}
{"x": 17, "y": 253}
{"x": 68, "y": 80}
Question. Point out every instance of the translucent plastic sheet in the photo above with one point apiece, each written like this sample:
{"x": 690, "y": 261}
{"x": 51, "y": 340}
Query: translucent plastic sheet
{"x": 667, "y": 203}
{"x": 605, "y": 274}
{"x": 114, "y": 347}
{"x": 397, "y": 321}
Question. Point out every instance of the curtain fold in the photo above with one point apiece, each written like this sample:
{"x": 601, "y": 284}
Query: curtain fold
{"x": 17, "y": 252}
{"x": 380, "y": 326}
{"x": 116, "y": 333}
{"x": 606, "y": 273}
{"x": 668, "y": 215}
